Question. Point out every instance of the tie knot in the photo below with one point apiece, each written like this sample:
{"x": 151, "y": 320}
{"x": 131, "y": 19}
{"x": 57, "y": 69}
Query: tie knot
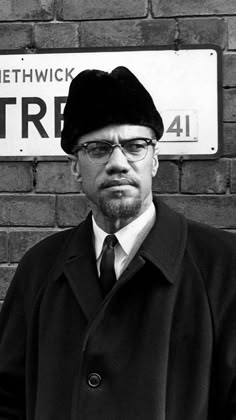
{"x": 110, "y": 241}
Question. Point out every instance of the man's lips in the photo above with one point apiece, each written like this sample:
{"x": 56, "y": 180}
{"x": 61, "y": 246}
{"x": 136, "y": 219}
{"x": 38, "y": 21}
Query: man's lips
{"x": 118, "y": 183}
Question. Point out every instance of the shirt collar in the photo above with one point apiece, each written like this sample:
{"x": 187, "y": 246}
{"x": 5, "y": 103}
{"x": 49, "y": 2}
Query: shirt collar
{"x": 129, "y": 236}
{"x": 99, "y": 236}
{"x": 133, "y": 234}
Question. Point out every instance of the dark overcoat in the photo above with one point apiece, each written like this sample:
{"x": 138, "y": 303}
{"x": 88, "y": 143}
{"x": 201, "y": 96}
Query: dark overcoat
{"x": 160, "y": 346}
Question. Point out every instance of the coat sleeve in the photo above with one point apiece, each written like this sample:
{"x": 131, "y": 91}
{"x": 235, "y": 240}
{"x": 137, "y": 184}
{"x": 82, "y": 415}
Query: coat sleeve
{"x": 225, "y": 352}
{"x": 12, "y": 353}
{"x": 15, "y": 318}
{"x": 222, "y": 295}
{"x": 214, "y": 252}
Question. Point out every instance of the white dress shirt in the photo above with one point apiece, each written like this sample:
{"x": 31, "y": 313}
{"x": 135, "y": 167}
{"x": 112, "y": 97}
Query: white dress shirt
{"x": 129, "y": 239}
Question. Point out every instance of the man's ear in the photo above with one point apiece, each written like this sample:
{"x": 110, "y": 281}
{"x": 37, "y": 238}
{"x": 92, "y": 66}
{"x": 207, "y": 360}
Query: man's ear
{"x": 155, "y": 161}
{"x": 74, "y": 166}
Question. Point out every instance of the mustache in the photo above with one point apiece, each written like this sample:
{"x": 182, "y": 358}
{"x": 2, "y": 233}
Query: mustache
{"x": 117, "y": 182}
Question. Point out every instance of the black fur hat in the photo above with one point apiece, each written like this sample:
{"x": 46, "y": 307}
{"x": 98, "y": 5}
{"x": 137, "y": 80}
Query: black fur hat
{"x": 97, "y": 99}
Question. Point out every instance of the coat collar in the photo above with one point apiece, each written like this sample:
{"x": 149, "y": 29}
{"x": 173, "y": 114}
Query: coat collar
{"x": 165, "y": 244}
{"x": 77, "y": 261}
{"x": 164, "y": 247}
{"x": 81, "y": 264}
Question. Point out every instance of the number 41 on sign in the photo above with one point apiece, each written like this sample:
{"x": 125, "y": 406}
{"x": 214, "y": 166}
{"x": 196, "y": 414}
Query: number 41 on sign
{"x": 180, "y": 125}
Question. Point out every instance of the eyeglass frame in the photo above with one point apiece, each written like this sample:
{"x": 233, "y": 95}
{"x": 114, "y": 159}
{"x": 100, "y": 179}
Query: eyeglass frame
{"x": 83, "y": 146}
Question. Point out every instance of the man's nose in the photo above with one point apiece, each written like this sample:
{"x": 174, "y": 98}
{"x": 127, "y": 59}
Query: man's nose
{"x": 117, "y": 161}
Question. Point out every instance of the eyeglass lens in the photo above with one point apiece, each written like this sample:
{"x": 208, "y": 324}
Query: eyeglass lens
{"x": 100, "y": 151}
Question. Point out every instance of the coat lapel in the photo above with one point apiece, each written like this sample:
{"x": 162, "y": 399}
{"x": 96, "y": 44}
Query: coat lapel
{"x": 81, "y": 271}
{"x": 165, "y": 244}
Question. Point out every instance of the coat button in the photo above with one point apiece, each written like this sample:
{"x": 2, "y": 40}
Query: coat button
{"x": 94, "y": 380}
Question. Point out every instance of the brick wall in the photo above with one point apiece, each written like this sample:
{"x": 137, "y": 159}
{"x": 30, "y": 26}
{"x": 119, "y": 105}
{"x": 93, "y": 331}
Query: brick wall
{"x": 39, "y": 197}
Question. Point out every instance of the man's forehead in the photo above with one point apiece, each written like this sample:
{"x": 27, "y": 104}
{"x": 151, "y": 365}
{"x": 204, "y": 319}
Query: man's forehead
{"x": 123, "y": 131}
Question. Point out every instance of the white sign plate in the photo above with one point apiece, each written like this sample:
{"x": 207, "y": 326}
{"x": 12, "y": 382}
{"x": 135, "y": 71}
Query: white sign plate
{"x": 183, "y": 84}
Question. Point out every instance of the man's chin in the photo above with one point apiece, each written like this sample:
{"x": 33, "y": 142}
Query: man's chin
{"x": 120, "y": 208}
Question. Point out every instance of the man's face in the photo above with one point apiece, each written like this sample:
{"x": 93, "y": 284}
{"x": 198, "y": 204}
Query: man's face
{"x": 119, "y": 190}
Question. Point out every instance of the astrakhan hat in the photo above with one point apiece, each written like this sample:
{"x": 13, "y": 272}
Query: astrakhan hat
{"x": 97, "y": 99}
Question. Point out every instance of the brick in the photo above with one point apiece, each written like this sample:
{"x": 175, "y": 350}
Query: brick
{"x": 205, "y": 177}
{"x": 127, "y": 33}
{"x": 16, "y": 176}
{"x": 229, "y": 145}
{"x": 218, "y": 211}
{"x": 26, "y": 10}
{"x": 13, "y": 36}
{"x": 229, "y": 105}
{"x": 56, "y": 35}
{"x": 3, "y": 246}
{"x": 167, "y": 178}
{"x": 22, "y": 240}
{"x": 6, "y": 275}
{"x": 71, "y": 209}
{"x": 163, "y": 8}
{"x": 203, "y": 31}
{"x": 229, "y": 70}
{"x": 232, "y": 33}
{"x": 102, "y": 9}
{"x": 233, "y": 176}
{"x": 28, "y": 210}
{"x": 55, "y": 177}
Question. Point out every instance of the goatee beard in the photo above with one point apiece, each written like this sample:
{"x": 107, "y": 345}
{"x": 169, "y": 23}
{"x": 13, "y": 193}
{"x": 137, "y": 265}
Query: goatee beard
{"x": 120, "y": 210}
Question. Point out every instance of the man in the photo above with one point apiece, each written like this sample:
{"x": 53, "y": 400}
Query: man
{"x": 141, "y": 328}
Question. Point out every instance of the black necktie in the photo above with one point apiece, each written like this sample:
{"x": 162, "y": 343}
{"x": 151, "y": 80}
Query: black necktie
{"x": 107, "y": 269}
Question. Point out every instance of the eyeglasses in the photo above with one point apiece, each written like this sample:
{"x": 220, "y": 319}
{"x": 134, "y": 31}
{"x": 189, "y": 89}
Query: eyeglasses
{"x": 101, "y": 150}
